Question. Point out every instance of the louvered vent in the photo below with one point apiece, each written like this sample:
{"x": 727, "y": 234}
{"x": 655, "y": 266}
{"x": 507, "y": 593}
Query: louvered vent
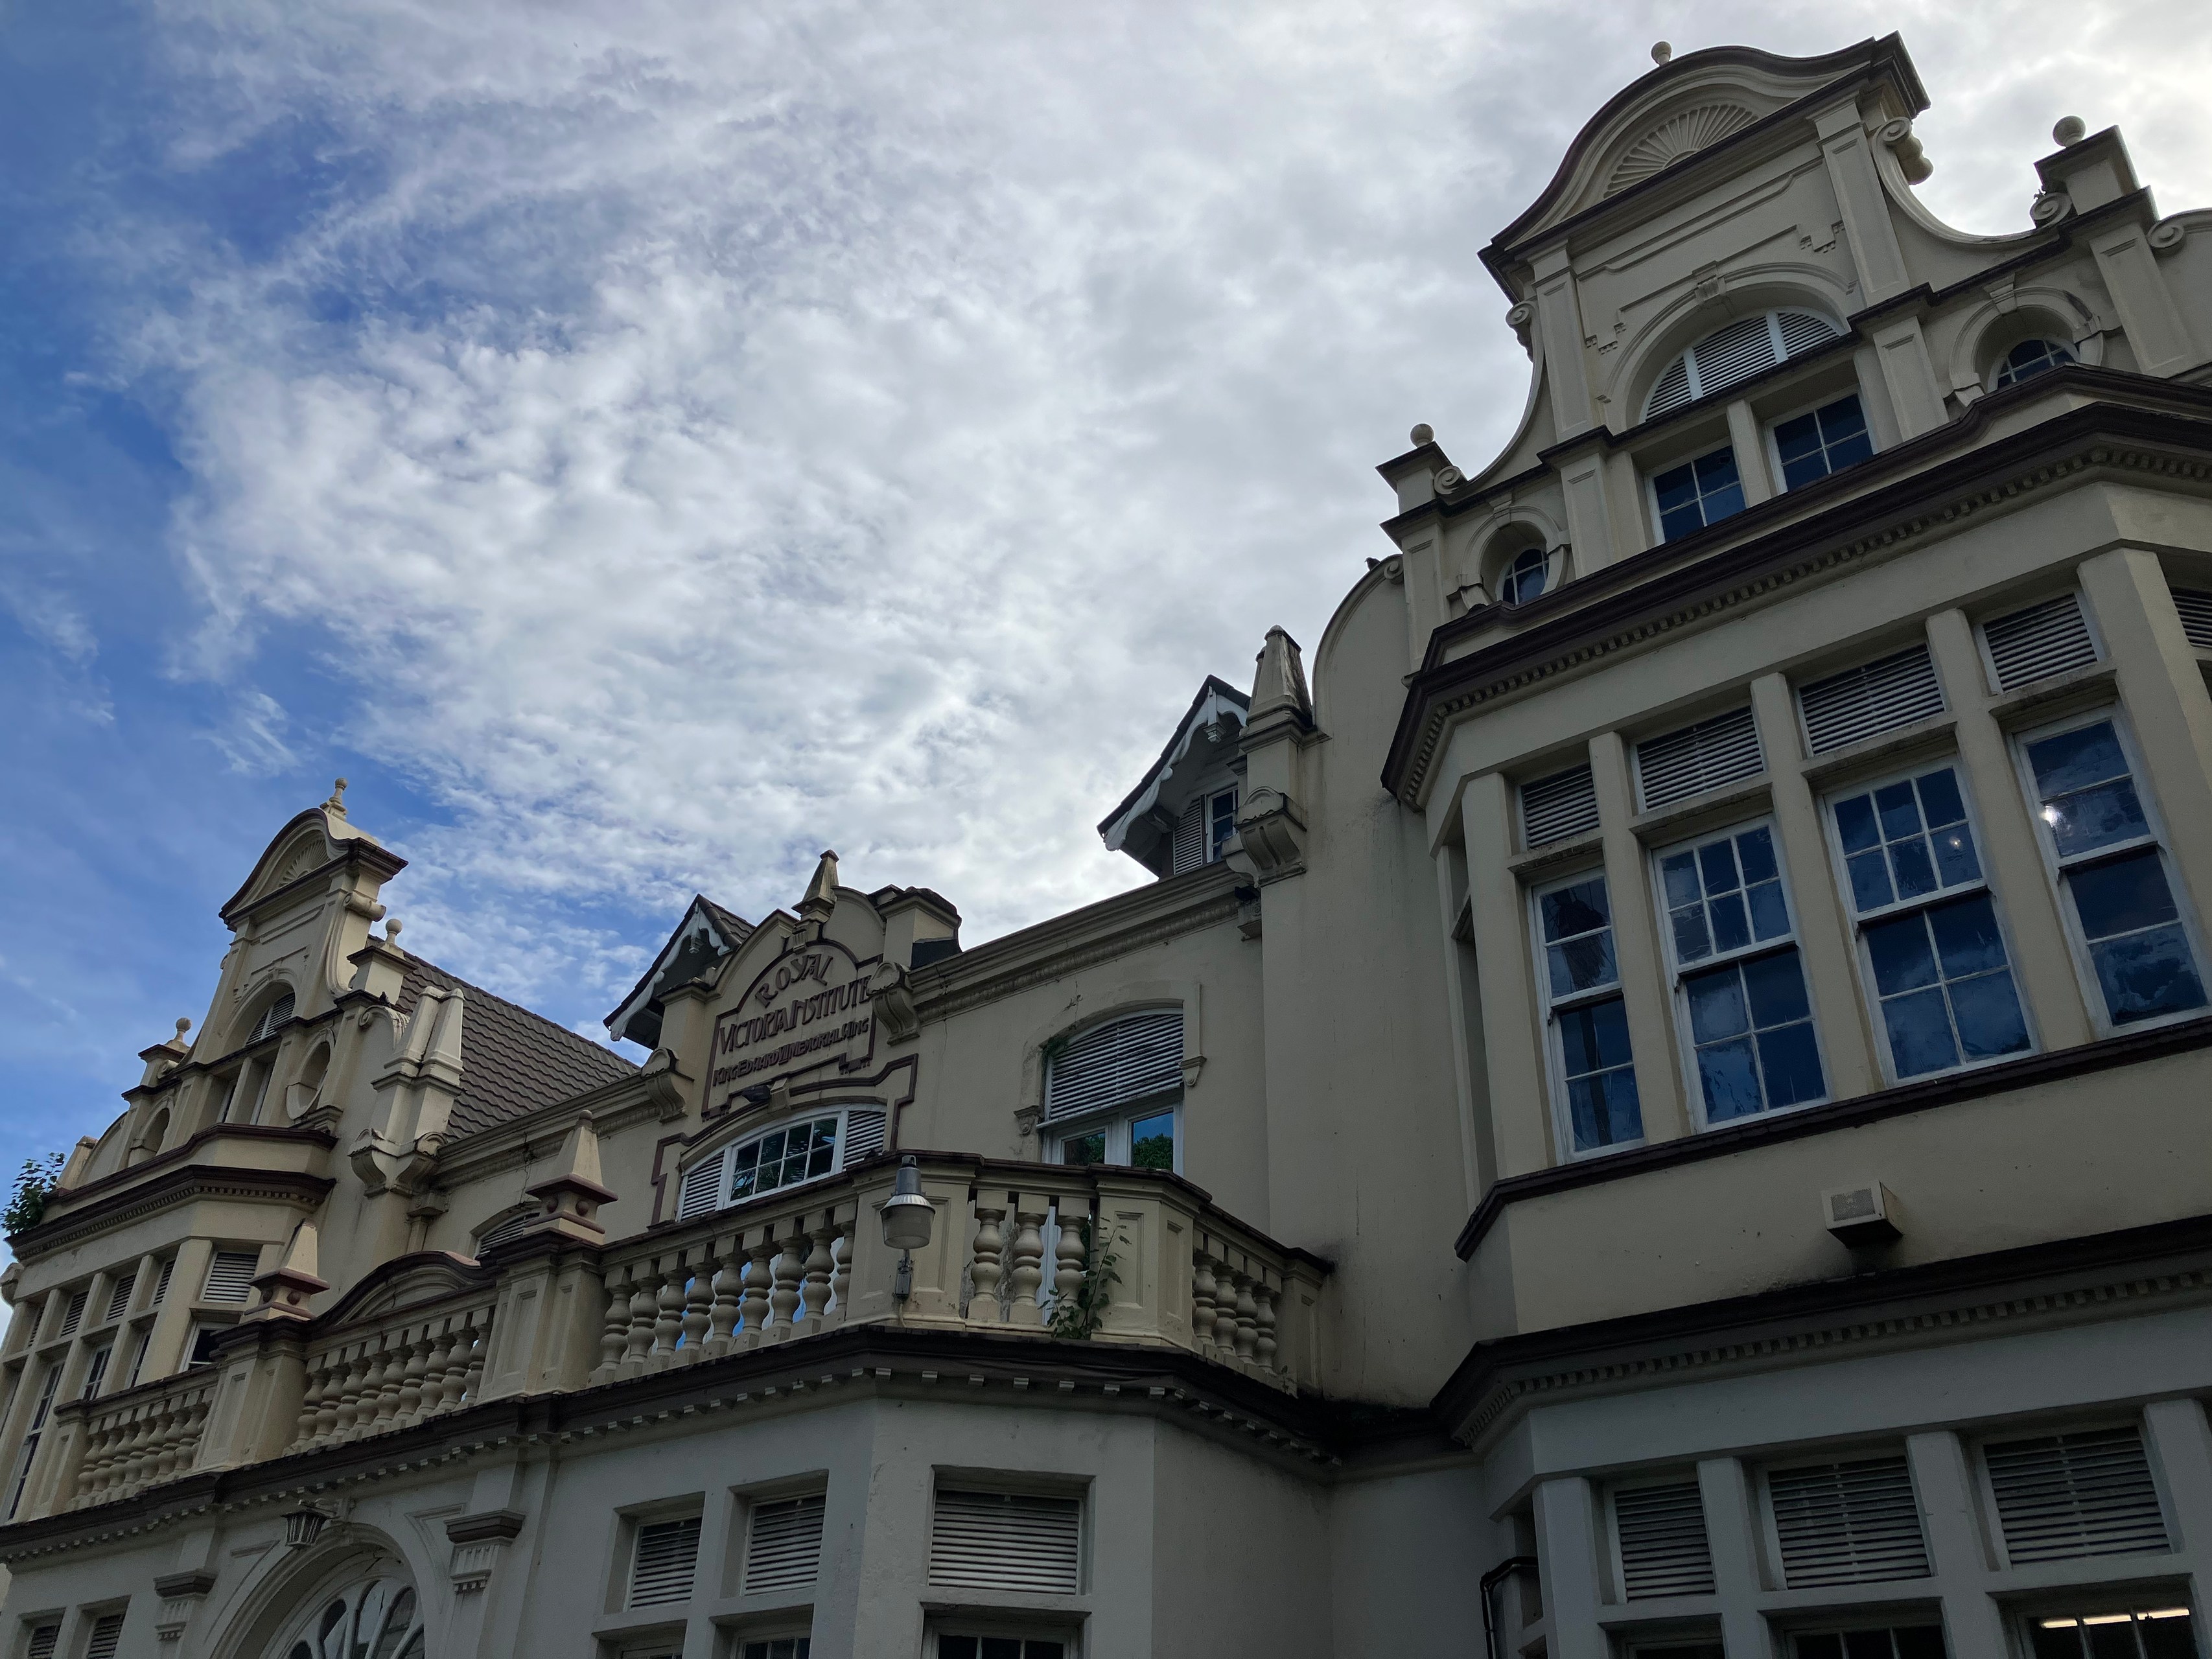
{"x": 1672, "y": 392}
{"x": 1699, "y": 757}
{"x": 1872, "y": 698}
{"x": 118, "y": 1299}
{"x": 785, "y": 1549}
{"x": 667, "y": 1555}
{"x": 1802, "y": 331}
{"x": 73, "y": 1315}
{"x": 864, "y": 1132}
{"x": 702, "y": 1191}
{"x": 162, "y": 1284}
{"x": 1555, "y": 808}
{"x": 500, "y": 1231}
{"x": 1005, "y": 1541}
{"x": 44, "y": 1640}
{"x": 230, "y": 1276}
{"x": 2071, "y": 1495}
{"x": 1124, "y": 1059}
{"x": 1663, "y": 1549}
{"x": 1189, "y": 848}
{"x": 273, "y": 1016}
{"x": 1736, "y": 353}
{"x": 107, "y": 1637}
{"x": 1845, "y": 1523}
{"x": 2040, "y": 641}
{"x": 2195, "y": 609}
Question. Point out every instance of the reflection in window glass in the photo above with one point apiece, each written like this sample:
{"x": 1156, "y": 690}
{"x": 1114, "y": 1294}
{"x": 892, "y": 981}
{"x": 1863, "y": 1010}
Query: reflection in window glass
{"x": 2030, "y": 358}
{"x": 1582, "y": 991}
{"x": 1525, "y": 577}
{"x": 1941, "y": 977}
{"x": 1830, "y": 438}
{"x": 1891, "y": 1642}
{"x": 2156, "y": 1632}
{"x": 1151, "y": 1142}
{"x": 783, "y": 1157}
{"x": 1698, "y": 493}
{"x": 2111, "y": 865}
{"x": 1084, "y": 1149}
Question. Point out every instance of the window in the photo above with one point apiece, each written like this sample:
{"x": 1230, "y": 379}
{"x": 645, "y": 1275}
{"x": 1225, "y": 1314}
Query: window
{"x": 73, "y": 1315}
{"x": 31, "y": 1440}
{"x": 783, "y": 1547}
{"x": 44, "y": 1639}
{"x": 1724, "y": 749}
{"x": 1688, "y": 497}
{"x": 162, "y": 1284}
{"x": 1117, "y": 1086}
{"x": 777, "y": 1647}
{"x": 1847, "y": 1524}
{"x": 1526, "y": 576}
{"x": 248, "y": 1086}
{"x": 2097, "y": 830}
{"x": 118, "y": 1299}
{"x": 1202, "y": 832}
{"x": 1663, "y": 1547}
{"x": 2195, "y": 608}
{"x": 664, "y": 1556}
{"x": 950, "y": 1645}
{"x": 2143, "y": 1632}
{"x": 1874, "y": 697}
{"x": 107, "y": 1637}
{"x": 1559, "y": 807}
{"x": 1738, "y": 981}
{"x": 1585, "y": 1020}
{"x": 272, "y": 1017}
{"x": 1875, "y": 1642}
{"x": 1928, "y": 937}
{"x": 2043, "y": 639}
{"x": 138, "y": 1357}
{"x": 230, "y": 1276}
{"x": 1735, "y": 353}
{"x": 2030, "y": 358}
{"x": 2063, "y": 1496}
{"x": 202, "y": 1350}
{"x": 1001, "y": 1541}
{"x": 96, "y": 1372}
{"x": 803, "y": 1149}
{"x": 1825, "y": 440}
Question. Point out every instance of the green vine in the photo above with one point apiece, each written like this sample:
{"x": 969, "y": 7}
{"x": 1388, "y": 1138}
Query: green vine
{"x": 1077, "y": 1317}
{"x": 34, "y": 1184}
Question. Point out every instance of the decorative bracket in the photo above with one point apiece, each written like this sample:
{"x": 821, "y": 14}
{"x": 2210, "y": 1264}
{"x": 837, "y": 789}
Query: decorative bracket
{"x": 181, "y": 1592}
{"x": 478, "y": 1541}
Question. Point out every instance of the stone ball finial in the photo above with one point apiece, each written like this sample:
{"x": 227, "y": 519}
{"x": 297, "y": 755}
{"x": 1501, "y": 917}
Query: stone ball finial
{"x": 184, "y": 1024}
{"x": 1661, "y": 52}
{"x": 392, "y": 929}
{"x": 1422, "y": 433}
{"x": 2070, "y": 130}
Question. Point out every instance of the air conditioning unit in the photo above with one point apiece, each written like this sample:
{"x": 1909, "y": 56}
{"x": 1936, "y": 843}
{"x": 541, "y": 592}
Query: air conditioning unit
{"x": 1859, "y": 1215}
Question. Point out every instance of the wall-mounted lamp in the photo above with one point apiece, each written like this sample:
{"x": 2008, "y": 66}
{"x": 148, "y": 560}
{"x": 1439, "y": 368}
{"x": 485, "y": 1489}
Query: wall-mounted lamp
{"x": 909, "y": 1220}
{"x": 303, "y": 1526}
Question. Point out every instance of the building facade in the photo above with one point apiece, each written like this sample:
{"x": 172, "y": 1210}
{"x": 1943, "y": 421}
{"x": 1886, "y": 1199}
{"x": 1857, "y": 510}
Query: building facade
{"x": 1655, "y": 1106}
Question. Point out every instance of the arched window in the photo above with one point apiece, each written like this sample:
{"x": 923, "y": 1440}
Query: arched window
{"x": 376, "y": 1618}
{"x": 799, "y": 1149}
{"x": 273, "y": 1016}
{"x": 1526, "y": 575}
{"x": 1735, "y": 353}
{"x": 2030, "y": 358}
{"x": 1113, "y": 1093}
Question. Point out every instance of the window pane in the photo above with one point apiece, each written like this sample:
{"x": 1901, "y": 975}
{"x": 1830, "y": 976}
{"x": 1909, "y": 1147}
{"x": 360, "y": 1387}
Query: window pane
{"x": 2090, "y": 818}
{"x": 2122, "y": 895}
{"x": 1855, "y": 822}
{"x": 1679, "y": 874}
{"x": 1966, "y": 940}
{"x": 2145, "y": 975}
{"x": 1769, "y": 916}
{"x": 1604, "y": 1110}
{"x": 2166, "y": 1634}
{"x": 1084, "y": 1149}
{"x": 2054, "y": 1638}
{"x": 1914, "y": 870}
{"x": 1825, "y": 1645}
{"x": 955, "y": 1647}
{"x": 1919, "y": 1028}
{"x": 1717, "y": 863}
{"x": 1987, "y": 1010}
{"x": 2074, "y": 760}
{"x": 1583, "y": 964}
{"x": 2109, "y": 1640}
{"x": 1919, "y": 1642}
{"x": 1717, "y": 1009}
{"x": 1940, "y": 800}
{"x": 1755, "y": 851}
{"x": 1729, "y": 1075}
{"x": 1151, "y": 1142}
{"x": 1692, "y": 942}
{"x": 1595, "y": 1038}
{"x": 1866, "y": 1644}
{"x": 1901, "y": 955}
{"x": 1775, "y": 988}
{"x": 1676, "y": 489}
{"x": 1870, "y": 884}
{"x": 1731, "y": 926}
{"x": 1789, "y": 1060}
{"x": 1002, "y": 1647}
{"x": 1577, "y": 909}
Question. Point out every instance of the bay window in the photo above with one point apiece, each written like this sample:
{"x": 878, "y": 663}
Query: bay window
{"x": 1585, "y": 1021}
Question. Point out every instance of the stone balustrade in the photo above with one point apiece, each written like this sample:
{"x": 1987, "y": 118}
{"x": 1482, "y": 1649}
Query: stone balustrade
{"x": 138, "y": 1438}
{"x": 420, "y": 1364}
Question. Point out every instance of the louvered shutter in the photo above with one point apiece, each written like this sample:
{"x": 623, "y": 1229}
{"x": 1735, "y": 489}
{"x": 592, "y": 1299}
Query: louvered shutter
{"x": 1699, "y": 757}
{"x": 1663, "y": 1547}
{"x": 2070, "y": 1495}
{"x": 162, "y": 1284}
{"x": 107, "y": 1637}
{"x": 230, "y": 1276}
{"x": 1189, "y": 847}
{"x": 119, "y": 1300}
{"x": 784, "y": 1551}
{"x": 702, "y": 1191}
{"x": 1736, "y": 353}
{"x": 1557, "y": 807}
{"x": 2195, "y": 609}
{"x": 863, "y": 1135}
{"x": 44, "y": 1640}
{"x": 1125, "y": 1059}
{"x": 1845, "y": 1523}
{"x": 500, "y": 1231}
{"x": 73, "y": 1315}
{"x": 1671, "y": 390}
{"x": 1802, "y": 331}
{"x": 667, "y": 1555}
{"x": 1874, "y": 697}
{"x": 273, "y": 1016}
{"x": 1005, "y": 1541}
{"x": 2040, "y": 641}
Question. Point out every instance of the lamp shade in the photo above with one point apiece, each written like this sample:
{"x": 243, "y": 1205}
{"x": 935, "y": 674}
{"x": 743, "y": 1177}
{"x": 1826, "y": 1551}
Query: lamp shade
{"x": 908, "y": 1218}
{"x": 303, "y": 1526}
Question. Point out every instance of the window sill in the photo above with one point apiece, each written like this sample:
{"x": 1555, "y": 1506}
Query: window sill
{"x": 2084, "y": 686}
{"x": 1697, "y": 813}
{"x": 1527, "y": 865}
{"x": 1937, "y": 732}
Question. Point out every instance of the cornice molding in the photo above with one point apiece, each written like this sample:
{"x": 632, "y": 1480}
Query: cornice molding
{"x": 185, "y": 1185}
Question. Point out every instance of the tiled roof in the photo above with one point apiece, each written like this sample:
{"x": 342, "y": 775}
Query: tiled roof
{"x": 511, "y": 1060}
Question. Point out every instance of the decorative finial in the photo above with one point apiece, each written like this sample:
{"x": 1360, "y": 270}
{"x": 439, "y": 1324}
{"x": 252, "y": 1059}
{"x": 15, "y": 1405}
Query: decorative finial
{"x": 2071, "y": 129}
{"x": 1661, "y": 52}
{"x": 337, "y": 802}
{"x": 391, "y": 930}
{"x": 184, "y": 1024}
{"x": 1422, "y": 433}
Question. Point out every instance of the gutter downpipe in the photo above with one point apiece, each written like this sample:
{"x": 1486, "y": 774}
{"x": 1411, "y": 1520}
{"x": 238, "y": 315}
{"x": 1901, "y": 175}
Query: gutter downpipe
{"x": 1490, "y": 1580}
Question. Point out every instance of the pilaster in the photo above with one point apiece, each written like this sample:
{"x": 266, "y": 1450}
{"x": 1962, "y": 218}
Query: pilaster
{"x": 1863, "y": 203}
{"x": 1644, "y": 984}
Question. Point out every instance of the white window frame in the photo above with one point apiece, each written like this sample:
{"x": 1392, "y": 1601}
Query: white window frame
{"x": 1774, "y": 445}
{"x": 1214, "y": 849}
{"x": 1115, "y": 1121}
{"x": 1678, "y": 971}
{"x": 1698, "y": 453}
{"x": 1856, "y": 921}
{"x": 1026, "y": 1627}
{"x": 2056, "y": 868}
{"x": 1509, "y": 558}
{"x": 841, "y": 1110}
{"x": 1548, "y": 1007}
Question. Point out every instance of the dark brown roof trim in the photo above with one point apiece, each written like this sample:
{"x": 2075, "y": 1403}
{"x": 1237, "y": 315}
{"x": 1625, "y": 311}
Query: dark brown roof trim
{"x": 180, "y": 1186}
{"x": 1743, "y": 1320}
{"x": 2036, "y": 1069}
{"x": 1631, "y": 599}
{"x": 381, "y": 862}
{"x": 1860, "y": 62}
{"x": 1214, "y": 685}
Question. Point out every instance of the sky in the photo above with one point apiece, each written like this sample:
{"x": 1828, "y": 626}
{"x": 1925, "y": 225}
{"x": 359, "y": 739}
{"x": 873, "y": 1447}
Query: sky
{"x": 641, "y": 445}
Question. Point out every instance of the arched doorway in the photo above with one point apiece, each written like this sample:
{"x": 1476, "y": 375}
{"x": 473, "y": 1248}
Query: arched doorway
{"x": 378, "y": 1616}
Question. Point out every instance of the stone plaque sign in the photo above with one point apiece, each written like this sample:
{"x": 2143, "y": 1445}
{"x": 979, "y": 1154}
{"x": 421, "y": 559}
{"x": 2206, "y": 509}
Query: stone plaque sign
{"x": 808, "y": 1009}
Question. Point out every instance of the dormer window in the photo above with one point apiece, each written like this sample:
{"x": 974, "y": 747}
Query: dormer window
{"x": 1822, "y": 440}
{"x": 1525, "y": 577}
{"x": 1204, "y": 830}
{"x": 2030, "y": 358}
{"x": 1735, "y": 354}
{"x": 1688, "y": 497}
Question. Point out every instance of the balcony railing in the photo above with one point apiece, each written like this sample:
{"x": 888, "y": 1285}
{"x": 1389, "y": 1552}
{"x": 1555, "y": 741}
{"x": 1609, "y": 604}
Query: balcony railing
{"x": 416, "y": 1366}
{"x": 140, "y": 1438}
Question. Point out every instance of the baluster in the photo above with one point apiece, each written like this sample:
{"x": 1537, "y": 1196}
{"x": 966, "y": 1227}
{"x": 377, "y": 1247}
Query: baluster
{"x": 1067, "y": 1260}
{"x": 614, "y": 1335}
{"x": 788, "y": 1267}
{"x": 729, "y": 1288}
{"x": 479, "y": 1350}
{"x": 1202, "y": 1289}
{"x": 819, "y": 1265}
{"x": 303, "y": 1427}
{"x": 326, "y": 1414}
{"x": 1263, "y": 1341}
{"x": 387, "y": 1387}
{"x": 1248, "y": 1317}
{"x": 698, "y": 1312}
{"x": 437, "y": 1356}
{"x": 757, "y": 1258}
{"x": 456, "y": 1382}
{"x": 644, "y": 1313}
{"x": 984, "y": 1271}
{"x": 1029, "y": 1266}
{"x": 352, "y": 1364}
{"x": 163, "y": 1451}
{"x": 841, "y": 1268}
{"x": 408, "y": 1410}
{"x": 667, "y": 1319}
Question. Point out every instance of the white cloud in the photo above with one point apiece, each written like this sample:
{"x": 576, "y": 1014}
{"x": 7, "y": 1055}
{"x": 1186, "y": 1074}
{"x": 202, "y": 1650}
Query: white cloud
{"x": 752, "y": 429}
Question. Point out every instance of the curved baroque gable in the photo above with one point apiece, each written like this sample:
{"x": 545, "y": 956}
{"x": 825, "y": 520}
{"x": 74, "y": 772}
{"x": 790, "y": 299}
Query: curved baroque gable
{"x": 1683, "y": 133}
